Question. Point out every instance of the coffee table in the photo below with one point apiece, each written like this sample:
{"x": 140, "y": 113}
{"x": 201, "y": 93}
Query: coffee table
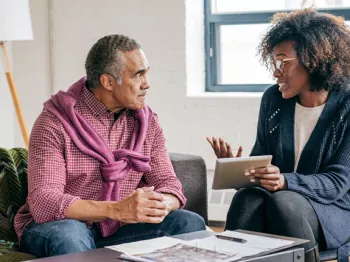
{"x": 295, "y": 254}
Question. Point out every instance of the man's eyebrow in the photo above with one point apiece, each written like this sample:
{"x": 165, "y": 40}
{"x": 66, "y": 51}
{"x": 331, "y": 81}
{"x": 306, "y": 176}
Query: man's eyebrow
{"x": 141, "y": 71}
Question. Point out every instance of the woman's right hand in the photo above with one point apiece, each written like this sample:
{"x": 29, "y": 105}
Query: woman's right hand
{"x": 223, "y": 149}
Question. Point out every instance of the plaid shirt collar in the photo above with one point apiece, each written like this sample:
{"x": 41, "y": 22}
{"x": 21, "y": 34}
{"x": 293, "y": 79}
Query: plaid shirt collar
{"x": 94, "y": 105}
{"x": 98, "y": 108}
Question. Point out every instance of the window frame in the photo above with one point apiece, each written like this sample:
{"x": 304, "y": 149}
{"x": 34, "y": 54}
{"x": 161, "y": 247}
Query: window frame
{"x": 212, "y": 23}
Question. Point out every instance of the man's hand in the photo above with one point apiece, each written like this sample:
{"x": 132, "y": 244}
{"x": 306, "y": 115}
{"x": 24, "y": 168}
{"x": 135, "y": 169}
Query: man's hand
{"x": 142, "y": 206}
{"x": 223, "y": 149}
{"x": 268, "y": 177}
{"x": 172, "y": 202}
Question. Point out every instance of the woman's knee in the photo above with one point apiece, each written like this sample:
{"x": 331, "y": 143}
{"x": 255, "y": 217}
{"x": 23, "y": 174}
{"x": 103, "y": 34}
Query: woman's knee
{"x": 247, "y": 209}
{"x": 249, "y": 193}
{"x": 284, "y": 205}
{"x": 291, "y": 214}
{"x": 248, "y": 197}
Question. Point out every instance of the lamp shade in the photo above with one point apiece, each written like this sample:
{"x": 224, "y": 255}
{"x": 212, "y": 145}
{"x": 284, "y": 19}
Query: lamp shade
{"x": 15, "y": 23}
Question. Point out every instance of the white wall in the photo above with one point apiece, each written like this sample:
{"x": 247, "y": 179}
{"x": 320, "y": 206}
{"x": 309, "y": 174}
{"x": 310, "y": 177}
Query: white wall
{"x": 7, "y": 112}
{"x": 65, "y": 30}
{"x": 160, "y": 27}
{"x": 32, "y": 73}
{"x": 171, "y": 33}
{"x": 30, "y": 61}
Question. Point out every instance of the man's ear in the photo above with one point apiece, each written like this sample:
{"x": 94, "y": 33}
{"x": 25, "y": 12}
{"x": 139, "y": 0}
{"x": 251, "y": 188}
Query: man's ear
{"x": 107, "y": 81}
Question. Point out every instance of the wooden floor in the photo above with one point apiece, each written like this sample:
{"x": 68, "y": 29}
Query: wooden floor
{"x": 217, "y": 229}
{"x": 221, "y": 229}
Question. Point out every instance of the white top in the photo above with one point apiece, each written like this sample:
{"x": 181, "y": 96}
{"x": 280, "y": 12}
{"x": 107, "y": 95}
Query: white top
{"x": 304, "y": 123}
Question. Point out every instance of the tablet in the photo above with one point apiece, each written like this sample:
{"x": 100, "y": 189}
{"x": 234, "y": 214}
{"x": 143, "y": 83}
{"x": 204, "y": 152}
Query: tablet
{"x": 229, "y": 172}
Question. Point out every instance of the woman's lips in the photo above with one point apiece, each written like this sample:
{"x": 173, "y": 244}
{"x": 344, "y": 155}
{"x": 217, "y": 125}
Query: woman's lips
{"x": 283, "y": 87}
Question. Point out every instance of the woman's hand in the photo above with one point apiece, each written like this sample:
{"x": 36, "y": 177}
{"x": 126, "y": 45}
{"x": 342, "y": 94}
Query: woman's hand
{"x": 268, "y": 177}
{"x": 223, "y": 149}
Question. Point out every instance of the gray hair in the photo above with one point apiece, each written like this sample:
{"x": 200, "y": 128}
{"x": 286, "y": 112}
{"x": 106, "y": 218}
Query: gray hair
{"x": 107, "y": 57}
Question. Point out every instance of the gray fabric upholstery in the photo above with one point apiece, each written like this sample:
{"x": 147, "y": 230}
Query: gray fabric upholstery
{"x": 192, "y": 172}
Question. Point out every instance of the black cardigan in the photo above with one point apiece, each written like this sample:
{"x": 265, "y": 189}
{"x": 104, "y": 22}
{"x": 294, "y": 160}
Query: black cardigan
{"x": 323, "y": 172}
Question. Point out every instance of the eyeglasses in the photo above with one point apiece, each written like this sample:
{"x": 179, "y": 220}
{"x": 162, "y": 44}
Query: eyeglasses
{"x": 278, "y": 64}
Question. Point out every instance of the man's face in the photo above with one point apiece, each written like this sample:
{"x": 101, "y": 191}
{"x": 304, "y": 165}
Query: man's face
{"x": 131, "y": 92}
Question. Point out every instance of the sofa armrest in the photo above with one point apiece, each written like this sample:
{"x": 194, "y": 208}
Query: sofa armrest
{"x": 192, "y": 172}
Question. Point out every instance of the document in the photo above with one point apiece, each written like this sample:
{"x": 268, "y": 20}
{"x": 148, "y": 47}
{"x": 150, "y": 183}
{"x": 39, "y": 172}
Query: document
{"x": 181, "y": 253}
{"x": 223, "y": 247}
{"x": 146, "y": 246}
{"x": 169, "y": 249}
{"x": 253, "y": 244}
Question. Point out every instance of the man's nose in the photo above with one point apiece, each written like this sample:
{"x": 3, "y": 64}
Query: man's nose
{"x": 146, "y": 84}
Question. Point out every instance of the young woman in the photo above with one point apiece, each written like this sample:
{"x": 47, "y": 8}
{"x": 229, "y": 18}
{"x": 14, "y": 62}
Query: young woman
{"x": 304, "y": 122}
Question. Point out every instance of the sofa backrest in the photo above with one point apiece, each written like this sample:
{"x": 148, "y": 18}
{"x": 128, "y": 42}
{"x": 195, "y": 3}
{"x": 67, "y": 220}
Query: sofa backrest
{"x": 192, "y": 172}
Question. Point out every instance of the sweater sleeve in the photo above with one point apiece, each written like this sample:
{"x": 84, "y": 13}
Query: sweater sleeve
{"x": 331, "y": 184}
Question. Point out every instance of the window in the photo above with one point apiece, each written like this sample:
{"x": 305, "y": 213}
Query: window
{"x": 233, "y": 30}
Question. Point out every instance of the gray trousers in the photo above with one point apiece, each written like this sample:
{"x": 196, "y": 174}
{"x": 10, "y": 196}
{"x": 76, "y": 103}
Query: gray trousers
{"x": 285, "y": 213}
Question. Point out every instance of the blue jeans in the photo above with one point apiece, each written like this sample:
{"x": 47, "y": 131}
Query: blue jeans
{"x": 71, "y": 236}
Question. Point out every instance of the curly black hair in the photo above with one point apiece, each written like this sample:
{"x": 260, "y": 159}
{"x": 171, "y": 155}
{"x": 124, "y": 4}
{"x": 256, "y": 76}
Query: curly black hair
{"x": 321, "y": 41}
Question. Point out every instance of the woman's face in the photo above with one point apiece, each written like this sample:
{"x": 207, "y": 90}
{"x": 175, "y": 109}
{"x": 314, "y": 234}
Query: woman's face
{"x": 292, "y": 77}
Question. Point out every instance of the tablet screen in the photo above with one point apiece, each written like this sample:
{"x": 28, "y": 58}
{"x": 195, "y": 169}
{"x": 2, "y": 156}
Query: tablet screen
{"x": 229, "y": 172}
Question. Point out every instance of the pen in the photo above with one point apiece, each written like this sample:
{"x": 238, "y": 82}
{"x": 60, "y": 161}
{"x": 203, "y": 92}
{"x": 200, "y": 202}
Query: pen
{"x": 239, "y": 240}
{"x": 133, "y": 258}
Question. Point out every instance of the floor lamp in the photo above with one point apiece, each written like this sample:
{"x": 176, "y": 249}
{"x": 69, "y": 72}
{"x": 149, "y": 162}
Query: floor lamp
{"x": 15, "y": 24}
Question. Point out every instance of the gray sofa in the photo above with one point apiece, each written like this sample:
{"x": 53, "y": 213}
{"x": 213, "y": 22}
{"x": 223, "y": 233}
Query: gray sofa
{"x": 192, "y": 172}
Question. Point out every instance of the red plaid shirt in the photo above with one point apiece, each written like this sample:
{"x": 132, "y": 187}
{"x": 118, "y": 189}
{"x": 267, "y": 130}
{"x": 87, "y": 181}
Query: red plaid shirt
{"x": 59, "y": 174}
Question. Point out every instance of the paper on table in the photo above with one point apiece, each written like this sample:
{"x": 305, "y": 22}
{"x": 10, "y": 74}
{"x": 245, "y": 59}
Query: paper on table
{"x": 263, "y": 242}
{"x": 183, "y": 252}
{"x": 254, "y": 245}
{"x": 167, "y": 249}
{"x": 146, "y": 246}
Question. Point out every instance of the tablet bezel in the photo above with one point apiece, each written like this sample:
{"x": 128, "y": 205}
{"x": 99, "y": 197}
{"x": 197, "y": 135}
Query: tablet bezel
{"x": 229, "y": 172}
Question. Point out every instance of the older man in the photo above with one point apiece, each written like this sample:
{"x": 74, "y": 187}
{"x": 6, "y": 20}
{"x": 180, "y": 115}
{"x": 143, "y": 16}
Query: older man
{"x": 98, "y": 169}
